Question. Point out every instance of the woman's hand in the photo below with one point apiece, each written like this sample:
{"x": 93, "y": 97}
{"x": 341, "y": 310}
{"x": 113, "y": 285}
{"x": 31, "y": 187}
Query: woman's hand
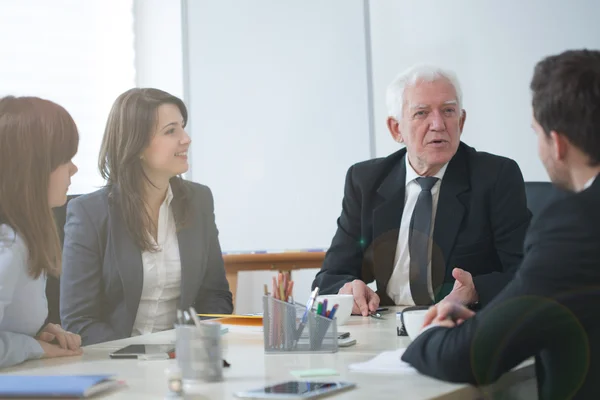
{"x": 66, "y": 340}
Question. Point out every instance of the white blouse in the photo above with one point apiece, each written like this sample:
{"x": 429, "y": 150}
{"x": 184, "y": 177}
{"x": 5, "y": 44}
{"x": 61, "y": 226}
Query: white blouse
{"x": 162, "y": 277}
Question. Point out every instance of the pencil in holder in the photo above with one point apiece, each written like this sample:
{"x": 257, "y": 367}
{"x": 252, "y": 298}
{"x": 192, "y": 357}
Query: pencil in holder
{"x": 286, "y": 331}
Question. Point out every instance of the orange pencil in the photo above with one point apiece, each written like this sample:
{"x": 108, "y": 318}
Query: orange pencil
{"x": 289, "y": 290}
{"x": 275, "y": 291}
{"x": 281, "y": 288}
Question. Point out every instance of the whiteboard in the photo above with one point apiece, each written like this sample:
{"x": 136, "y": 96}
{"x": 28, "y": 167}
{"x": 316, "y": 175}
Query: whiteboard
{"x": 279, "y": 109}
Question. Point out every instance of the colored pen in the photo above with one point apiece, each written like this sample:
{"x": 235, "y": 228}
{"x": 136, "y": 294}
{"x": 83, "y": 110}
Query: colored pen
{"x": 309, "y": 305}
{"x": 324, "y": 310}
{"x": 333, "y": 310}
{"x": 319, "y": 308}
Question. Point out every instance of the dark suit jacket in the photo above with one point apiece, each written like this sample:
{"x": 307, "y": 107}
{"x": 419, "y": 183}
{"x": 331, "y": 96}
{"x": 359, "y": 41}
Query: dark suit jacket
{"x": 549, "y": 310}
{"x": 102, "y": 276}
{"x": 480, "y": 224}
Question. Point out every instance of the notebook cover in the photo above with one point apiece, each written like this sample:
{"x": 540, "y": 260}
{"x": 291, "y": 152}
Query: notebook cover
{"x": 72, "y": 386}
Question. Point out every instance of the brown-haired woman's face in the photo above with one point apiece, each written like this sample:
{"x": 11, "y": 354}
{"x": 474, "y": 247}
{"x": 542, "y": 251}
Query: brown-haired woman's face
{"x": 60, "y": 179}
{"x": 166, "y": 155}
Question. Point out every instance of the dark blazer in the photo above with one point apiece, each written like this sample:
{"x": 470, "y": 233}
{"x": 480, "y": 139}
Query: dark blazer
{"x": 549, "y": 310}
{"x": 480, "y": 224}
{"x": 102, "y": 276}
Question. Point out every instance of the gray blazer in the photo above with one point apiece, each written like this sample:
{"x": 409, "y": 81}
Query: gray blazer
{"x": 101, "y": 282}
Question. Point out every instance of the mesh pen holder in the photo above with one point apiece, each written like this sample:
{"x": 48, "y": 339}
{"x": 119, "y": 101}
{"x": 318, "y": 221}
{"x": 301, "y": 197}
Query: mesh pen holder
{"x": 199, "y": 352}
{"x": 284, "y": 330}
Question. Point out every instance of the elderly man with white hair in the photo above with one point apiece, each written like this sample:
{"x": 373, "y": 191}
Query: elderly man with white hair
{"x": 434, "y": 219}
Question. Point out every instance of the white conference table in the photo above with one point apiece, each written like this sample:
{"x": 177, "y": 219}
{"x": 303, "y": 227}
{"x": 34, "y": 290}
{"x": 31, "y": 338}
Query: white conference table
{"x": 251, "y": 368}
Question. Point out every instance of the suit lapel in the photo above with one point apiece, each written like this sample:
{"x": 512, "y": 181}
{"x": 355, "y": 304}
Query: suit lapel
{"x": 386, "y": 223}
{"x": 127, "y": 258}
{"x": 449, "y": 215}
{"x": 192, "y": 253}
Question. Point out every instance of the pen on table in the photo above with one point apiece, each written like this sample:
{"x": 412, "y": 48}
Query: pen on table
{"x": 376, "y": 315}
{"x": 266, "y": 290}
{"x": 319, "y": 308}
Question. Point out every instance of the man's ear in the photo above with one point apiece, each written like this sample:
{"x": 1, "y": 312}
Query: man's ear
{"x": 463, "y": 118}
{"x": 394, "y": 128}
{"x": 559, "y": 145}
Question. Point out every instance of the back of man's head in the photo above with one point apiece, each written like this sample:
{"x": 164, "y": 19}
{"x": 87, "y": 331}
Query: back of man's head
{"x": 566, "y": 98}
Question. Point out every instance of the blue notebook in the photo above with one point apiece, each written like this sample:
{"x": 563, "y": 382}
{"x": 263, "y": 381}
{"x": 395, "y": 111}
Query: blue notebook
{"x": 70, "y": 386}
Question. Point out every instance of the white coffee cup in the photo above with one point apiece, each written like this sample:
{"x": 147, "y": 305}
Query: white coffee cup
{"x": 344, "y": 302}
{"x": 413, "y": 322}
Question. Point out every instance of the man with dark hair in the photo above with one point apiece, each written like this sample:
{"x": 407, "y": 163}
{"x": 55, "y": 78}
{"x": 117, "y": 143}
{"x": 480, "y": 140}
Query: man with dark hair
{"x": 550, "y": 309}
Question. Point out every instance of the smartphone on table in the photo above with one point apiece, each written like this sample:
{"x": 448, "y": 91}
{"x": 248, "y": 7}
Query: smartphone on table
{"x": 296, "y": 390}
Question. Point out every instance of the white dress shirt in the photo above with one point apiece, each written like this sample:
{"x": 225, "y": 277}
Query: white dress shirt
{"x": 589, "y": 183}
{"x": 162, "y": 277}
{"x": 23, "y": 304}
{"x": 399, "y": 284}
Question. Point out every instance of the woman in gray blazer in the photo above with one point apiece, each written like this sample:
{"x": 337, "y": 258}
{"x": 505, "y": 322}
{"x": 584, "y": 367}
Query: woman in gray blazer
{"x": 146, "y": 244}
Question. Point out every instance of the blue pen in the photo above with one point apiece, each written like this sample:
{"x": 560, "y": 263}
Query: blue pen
{"x": 333, "y": 310}
{"x": 309, "y": 305}
{"x": 324, "y": 310}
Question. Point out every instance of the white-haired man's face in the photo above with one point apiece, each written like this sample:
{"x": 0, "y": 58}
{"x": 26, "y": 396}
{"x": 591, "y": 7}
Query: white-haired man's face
{"x": 430, "y": 126}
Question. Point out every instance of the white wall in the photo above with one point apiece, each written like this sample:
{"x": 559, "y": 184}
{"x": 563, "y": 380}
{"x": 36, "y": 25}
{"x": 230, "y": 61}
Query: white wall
{"x": 493, "y": 47}
{"x": 279, "y": 110}
{"x": 158, "y": 45}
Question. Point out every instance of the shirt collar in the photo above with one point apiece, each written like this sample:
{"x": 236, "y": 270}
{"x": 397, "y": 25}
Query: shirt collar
{"x": 589, "y": 183}
{"x": 411, "y": 174}
{"x": 169, "y": 196}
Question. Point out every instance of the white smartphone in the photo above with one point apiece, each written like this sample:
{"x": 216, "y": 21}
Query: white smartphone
{"x": 296, "y": 390}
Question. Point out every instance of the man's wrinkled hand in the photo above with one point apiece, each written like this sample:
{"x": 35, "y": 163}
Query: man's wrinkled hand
{"x": 366, "y": 300}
